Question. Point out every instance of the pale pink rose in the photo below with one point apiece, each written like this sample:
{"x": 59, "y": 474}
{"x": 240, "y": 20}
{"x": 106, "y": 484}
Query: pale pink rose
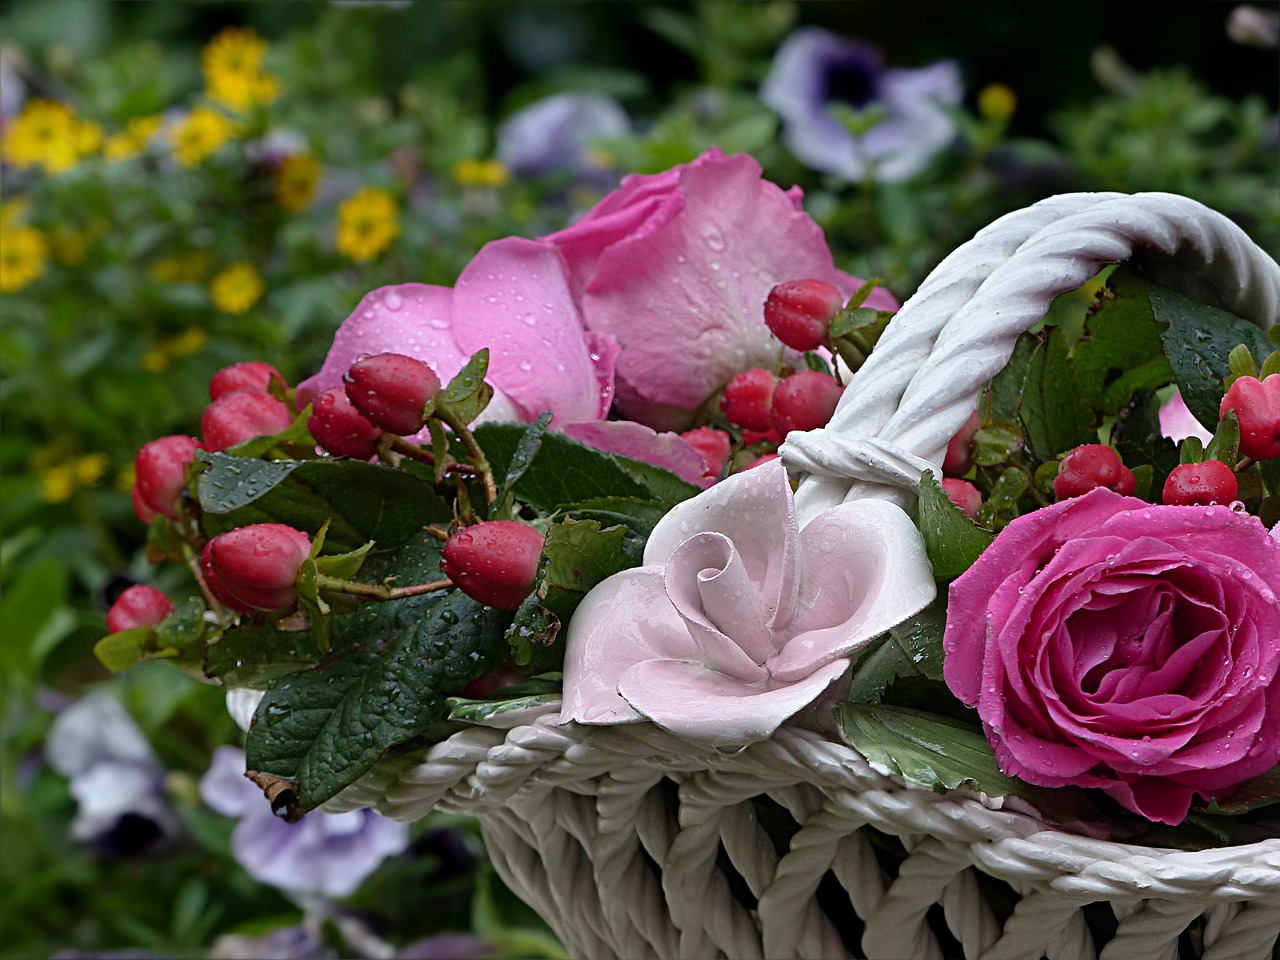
{"x": 1110, "y": 643}
{"x": 1177, "y": 423}
{"x": 738, "y": 620}
{"x": 677, "y": 267}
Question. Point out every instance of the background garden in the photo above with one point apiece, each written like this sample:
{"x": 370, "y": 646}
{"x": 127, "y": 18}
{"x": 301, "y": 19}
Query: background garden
{"x": 189, "y": 185}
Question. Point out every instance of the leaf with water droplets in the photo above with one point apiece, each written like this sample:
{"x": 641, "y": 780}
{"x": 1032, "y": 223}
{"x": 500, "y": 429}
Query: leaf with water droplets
{"x": 952, "y": 541}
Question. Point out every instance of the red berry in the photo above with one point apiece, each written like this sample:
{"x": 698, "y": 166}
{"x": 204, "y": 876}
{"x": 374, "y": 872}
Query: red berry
{"x": 805, "y": 401}
{"x": 161, "y": 475}
{"x": 1200, "y": 484}
{"x": 391, "y": 390}
{"x": 800, "y": 312}
{"x": 139, "y": 606}
{"x": 1092, "y": 465}
{"x": 495, "y": 562}
{"x": 964, "y": 495}
{"x": 339, "y": 428}
{"x": 1257, "y": 406}
{"x": 959, "y": 457}
{"x": 236, "y": 417}
{"x": 748, "y": 398}
{"x": 252, "y": 375}
{"x": 750, "y": 437}
{"x": 255, "y": 567}
{"x": 712, "y": 445}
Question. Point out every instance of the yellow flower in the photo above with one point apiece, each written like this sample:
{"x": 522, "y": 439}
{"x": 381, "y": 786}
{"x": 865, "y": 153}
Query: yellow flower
{"x": 190, "y": 341}
{"x": 199, "y": 134}
{"x": 48, "y": 134}
{"x": 367, "y": 223}
{"x": 59, "y": 481}
{"x": 132, "y": 140}
{"x": 237, "y": 288}
{"x": 22, "y": 256}
{"x": 233, "y": 74}
{"x": 480, "y": 173}
{"x": 996, "y": 102}
{"x": 296, "y": 180}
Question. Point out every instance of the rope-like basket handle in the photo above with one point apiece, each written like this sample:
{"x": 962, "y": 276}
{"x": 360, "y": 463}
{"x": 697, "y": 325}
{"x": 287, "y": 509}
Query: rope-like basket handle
{"x": 921, "y": 383}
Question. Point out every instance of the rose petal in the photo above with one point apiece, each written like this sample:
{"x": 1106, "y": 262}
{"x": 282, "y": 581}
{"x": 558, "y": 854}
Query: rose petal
{"x": 636, "y": 441}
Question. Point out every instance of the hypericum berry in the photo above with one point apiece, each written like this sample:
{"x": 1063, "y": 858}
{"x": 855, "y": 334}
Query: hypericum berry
{"x": 800, "y": 312}
{"x": 339, "y": 428}
{"x": 251, "y": 375}
{"x": 495, "y": 562}
{"x": 391, "y": 390}
{"x": 750, "y": 437}
{"x": 161, "y": 475}
{"x": 959, "y": 456}
{"x": 1200, "y": 484}
{"x": 139, "y": 606}
{"x": 712, "y": 445}
{"x": 255, "y": 567}
{"x": 748, "y": 398}
{"x": 1092, "y": 465}
{"x": 1257, "y": 406}
{"x": 236, "y": 417}
{"x": 964, "y": 495}
{"x": 804, "y": 401}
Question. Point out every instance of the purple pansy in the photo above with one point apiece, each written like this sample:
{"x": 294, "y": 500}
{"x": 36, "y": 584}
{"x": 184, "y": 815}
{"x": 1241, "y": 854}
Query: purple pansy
{"x": 815, "y": 68}
{"x": 554, "y": 135}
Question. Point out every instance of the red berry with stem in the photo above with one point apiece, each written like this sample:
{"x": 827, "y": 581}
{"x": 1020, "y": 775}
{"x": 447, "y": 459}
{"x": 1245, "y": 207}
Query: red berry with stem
{"x": 1089, "y": 466}
{"x": 253, "y": 375}
{"x": 959, "y": 456}
{"x": 804, "y": 401}
{"x": 338, "y": 427}
{"x": 712, "y": 445}
{"x": 160, "y": 469}
{"x": 748, "y": 398}
{"x": 495, "y": 562}
{"x": 964, "y": 495}
{"x": 256, "y": 567}
{"x": 1200, "y": 484}
{"x": 392, "y": 390}
{"x": 138, "y": 606}
{"x": 800, "y": 312}
{"x": 242, "y": 415}
{"x": 1257, "y": 406}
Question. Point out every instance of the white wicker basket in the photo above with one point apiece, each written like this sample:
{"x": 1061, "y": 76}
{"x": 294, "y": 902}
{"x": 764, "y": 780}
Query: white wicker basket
{"x": 632, "y": 842}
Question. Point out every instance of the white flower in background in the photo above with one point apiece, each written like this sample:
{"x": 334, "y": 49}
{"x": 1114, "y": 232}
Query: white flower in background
{"x": 815, "y": 68}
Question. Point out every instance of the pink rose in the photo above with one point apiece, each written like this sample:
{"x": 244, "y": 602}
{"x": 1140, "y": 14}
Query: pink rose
{"x": 1110, "y": 643}
{"x": 677, "y": 267}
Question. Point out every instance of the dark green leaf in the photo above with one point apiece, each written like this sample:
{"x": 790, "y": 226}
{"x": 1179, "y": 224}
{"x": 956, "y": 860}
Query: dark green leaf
{"x": 1225, "y": 445}
{"x": 578, "y": 554}
{"x": 1198, "y": 342}
{"x": 1055, "y": 416}
{"x": 1123, "y": 352}
{"x": 258, "y": 655}
{"x": 533, "y": 633}
{"x": 639, "y": 514}
{"x": 1003, "y": 396}
{"x": 913, "y": 648}
{"x": 951, "y": 540}
{"x": 525, "y": 452}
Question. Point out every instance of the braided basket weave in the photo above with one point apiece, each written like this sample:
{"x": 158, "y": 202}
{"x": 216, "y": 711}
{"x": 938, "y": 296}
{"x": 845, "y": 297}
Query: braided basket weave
{"x": 632, "y": 842}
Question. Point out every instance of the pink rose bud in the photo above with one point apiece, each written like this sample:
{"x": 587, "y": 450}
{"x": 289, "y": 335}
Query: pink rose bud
{"x": 964, "y": 495}
{"x": 712, "y": 445}
{"x": 1257, "y": 406}
{"x": 748, "y": 398}
{"x": 253, "y": 375}
{"x": 161, "y": 475}
{"x": 800, "y": 312}
{"x": 495, "y": 562}
{"x": 242, "y": 415}
{"x": 959, "y": 456}
{"x": 391, "y": 390}
{"x": 804, "y": 401}
{"x": 256, "y": 567}
{"x": 138, "y": 606}
{"x": 1089, "y": 466}
{"x": 1200, "y": 484}
{"x": 338, "y": 427}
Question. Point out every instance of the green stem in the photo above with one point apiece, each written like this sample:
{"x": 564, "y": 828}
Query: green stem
{"x": 379, "y": 591}
{"x": 478, "y": 459}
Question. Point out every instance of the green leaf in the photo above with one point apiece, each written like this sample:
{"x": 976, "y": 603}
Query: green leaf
{"x": 1055, "y": 416}
{"x": 951, "y": 540}
{"x": 911, "y": 649}
{"x": 996, "y": 442}
{"x": 577, "y": 555}
{"x": 564, "y": 472}
{"x": 1199, "y": 342}
{"x": 361, "y": 501}
{"x": 121, "y": 650}
{"x": 398, "y": 662}
{"x": 296, "y": 433}
{"x": 533, "y": 692}
{"x": 1122, "y": 352}
{"x": 1225, "y": 445}
{"x": 467, "y": 394}
{"x": 29, "y": 607}
{"x": 256, "y": 656}
{"x": 528, "y": 447}
{"x": 639, "y": 514}
{"x": 533, "y": 633}
{"x": 1003, "y": 396}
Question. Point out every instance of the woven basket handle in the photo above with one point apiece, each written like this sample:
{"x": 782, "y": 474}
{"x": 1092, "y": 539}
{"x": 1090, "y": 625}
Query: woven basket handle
{"x": 922, "y": 381}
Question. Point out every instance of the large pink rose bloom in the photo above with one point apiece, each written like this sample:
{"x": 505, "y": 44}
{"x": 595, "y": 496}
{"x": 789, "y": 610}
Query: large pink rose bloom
{"x": 677, "y": 266}
{"x": 1110, "y": 643}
